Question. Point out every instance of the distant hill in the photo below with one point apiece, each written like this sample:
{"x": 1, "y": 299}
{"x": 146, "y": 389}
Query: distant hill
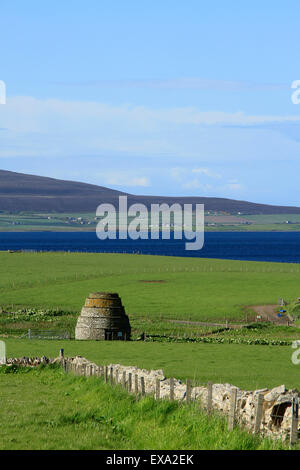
{"x": 21, "y": 192}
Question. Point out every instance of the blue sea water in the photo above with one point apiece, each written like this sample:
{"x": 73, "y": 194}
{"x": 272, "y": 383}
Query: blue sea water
{"x": 252, "y": 246}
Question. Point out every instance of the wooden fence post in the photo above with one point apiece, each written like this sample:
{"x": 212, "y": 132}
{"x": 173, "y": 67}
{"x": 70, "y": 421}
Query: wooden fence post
{"x": 259, "y": 412}
{"x": 136, "y": 384}
{"x": 188, "y": 390}
{"x": 294, "y": 421}
{"x": 171, "y": 388}
{"x": 124, "y": 380}
{"x": 157, "y": 389}
{"x": 111, "y": 376}
{"x": 143, "y": 386}
{"x": 90, "y": 370}
{"x": 106, "y": 374}
{"x": 117, "y": 376}
{"x": 231, "y": 418}
{"x": 209, "y": 396}
{"x": 61, "y": 355}
{"x": 129, "y": 382}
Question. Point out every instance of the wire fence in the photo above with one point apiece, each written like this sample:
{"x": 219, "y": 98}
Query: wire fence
{"x": 47, "y": 334}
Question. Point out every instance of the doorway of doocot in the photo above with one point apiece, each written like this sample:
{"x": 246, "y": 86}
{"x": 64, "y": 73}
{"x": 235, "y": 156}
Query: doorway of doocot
{"x": 108, "y": 335}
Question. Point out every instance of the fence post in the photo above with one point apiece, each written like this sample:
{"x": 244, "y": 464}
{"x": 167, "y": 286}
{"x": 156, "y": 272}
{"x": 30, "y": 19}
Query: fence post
{"x": 90, "y": 370}
{"x": 188, "y": 390}
{"x": 231, "y": 418}
{"x": 209, "y": 396}
{"x": 294, "y": 421}
{"x": 129, "y": 382}
{"x": 171, "y": 388}
{"x": 117, "y": 376}
{"x": 259, "y": 412}
{"x": 111, "y": 376}
{"x": 157, "y": 389}
{"x": 124, "y": 380}
{"x": 143, "y": 386}
{"x": 136, "y": 384}
{"x": 106, "y": 374}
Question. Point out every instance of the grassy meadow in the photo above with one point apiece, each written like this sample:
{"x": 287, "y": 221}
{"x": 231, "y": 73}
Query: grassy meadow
{"x": 161, "y": 295}
{"x": 92, "y": 416}
{"x": 246, "y": 366}
{"x": 151, "y": 287}
{"x": 189, "y": 289}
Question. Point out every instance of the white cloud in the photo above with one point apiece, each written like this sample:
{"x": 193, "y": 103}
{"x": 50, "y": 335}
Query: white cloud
{"x": 192, "y": 83}
{"x": 195, "y": 184}
{"x": 124, "y": 178}
{"x": 52, "y": 127}
{"x": 235, "y": 186}
{"x": 206, "y": 172}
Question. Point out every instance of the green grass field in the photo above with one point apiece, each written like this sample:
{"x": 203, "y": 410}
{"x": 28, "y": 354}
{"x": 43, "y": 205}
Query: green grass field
{"x": 45, "y": 409}
{"x": 92, "y": 416}
{"x": 248, "y": 367}
{"x": 190, "y": 288}
{"x": 32, "y": 221}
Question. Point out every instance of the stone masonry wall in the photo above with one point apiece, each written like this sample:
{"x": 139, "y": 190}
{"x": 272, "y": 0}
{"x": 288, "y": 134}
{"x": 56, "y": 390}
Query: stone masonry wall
{"x": 277, "y": 406}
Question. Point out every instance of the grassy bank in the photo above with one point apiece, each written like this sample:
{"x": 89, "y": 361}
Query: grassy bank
{"x": 65, "y": 412}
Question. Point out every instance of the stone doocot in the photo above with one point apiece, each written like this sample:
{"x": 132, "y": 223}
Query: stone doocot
{"x": 103, "y": 317}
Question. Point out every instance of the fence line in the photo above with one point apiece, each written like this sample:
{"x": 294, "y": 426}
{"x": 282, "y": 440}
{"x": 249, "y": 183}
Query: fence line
{"x": 133, "y": 385}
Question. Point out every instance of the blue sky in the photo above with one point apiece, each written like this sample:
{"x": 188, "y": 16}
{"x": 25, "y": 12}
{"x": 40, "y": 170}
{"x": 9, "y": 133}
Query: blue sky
{"x": 161, "y": 97}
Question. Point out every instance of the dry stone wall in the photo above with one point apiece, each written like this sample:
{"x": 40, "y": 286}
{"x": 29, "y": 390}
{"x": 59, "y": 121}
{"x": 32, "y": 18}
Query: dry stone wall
{"x": 276, "y": 408}
{"x": 277, "y": 402}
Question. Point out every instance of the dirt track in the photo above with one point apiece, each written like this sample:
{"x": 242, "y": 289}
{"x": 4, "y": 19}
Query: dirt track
{"x": 268, "y": 313}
